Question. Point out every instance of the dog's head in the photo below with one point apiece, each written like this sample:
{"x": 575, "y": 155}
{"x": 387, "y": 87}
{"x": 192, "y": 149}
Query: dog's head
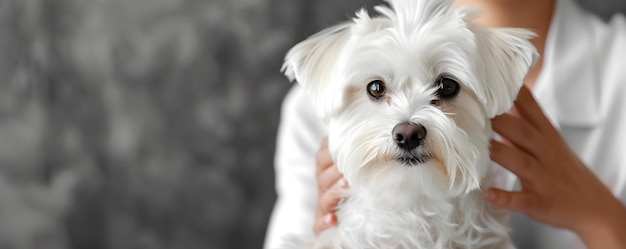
{"x": 408, "y": 94}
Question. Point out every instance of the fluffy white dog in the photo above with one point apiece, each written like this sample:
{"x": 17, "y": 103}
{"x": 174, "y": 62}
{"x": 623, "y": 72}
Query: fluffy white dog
{"x": 408, "y": 96}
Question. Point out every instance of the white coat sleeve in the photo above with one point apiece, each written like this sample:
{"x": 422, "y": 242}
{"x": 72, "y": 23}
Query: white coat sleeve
{"x": 300, "y": 134}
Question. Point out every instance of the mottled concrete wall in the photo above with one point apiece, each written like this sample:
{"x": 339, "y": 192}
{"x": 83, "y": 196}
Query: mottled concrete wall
{"x": 146, "y": 123}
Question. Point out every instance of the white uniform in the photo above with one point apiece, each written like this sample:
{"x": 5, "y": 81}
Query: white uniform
{"x": 582, "y": 89}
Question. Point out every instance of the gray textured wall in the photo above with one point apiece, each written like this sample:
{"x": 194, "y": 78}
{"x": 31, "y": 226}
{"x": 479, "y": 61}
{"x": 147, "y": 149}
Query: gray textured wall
{"x": 146, "y": 123}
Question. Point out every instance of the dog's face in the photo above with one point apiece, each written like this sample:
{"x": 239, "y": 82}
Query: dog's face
{"x": 408, "y": 95}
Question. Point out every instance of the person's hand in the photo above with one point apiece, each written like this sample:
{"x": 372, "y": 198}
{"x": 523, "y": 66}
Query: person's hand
{"x": 328, "y": 180}
{"x": 556, "y": 186}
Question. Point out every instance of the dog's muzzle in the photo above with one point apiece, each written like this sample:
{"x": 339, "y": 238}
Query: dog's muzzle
{"x": 409, "y": 135}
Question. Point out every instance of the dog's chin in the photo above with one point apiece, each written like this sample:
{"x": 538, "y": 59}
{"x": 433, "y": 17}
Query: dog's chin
{"x": 411, "y": 160}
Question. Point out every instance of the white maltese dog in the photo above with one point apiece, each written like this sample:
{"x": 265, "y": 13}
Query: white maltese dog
{"x": 407, "y": 97}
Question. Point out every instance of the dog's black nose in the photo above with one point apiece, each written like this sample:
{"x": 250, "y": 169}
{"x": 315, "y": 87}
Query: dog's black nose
{"x": 408, "y": 135}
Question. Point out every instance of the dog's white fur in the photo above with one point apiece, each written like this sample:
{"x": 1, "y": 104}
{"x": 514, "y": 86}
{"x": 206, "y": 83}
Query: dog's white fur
{"x": 437, "y": 203}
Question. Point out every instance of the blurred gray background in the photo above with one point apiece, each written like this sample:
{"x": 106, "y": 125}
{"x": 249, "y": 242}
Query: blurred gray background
{"x": 131, "y": 124}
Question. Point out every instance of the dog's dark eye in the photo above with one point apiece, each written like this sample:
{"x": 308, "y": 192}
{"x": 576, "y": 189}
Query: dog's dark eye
{"x": 447, "y": 88}
{"x": 376, "y": 89}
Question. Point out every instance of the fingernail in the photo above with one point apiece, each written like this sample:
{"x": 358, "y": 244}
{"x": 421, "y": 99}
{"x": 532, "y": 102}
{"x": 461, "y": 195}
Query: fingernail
{"x": 343, "y": 183}
{"x": 329, "y": 219}
{"x": 490, "y": 195}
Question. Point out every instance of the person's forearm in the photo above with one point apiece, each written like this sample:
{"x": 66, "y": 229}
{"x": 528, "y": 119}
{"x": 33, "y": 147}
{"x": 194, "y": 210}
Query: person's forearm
{"x": 609, "y": 234}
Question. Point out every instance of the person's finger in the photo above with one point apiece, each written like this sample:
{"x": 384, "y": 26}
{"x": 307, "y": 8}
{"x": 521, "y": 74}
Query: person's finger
{"x": 513, "y": 159}
{"x": 516, "y": 201}
{"x": 328, "y": 200}
{"x": 323, "y": 159}
{"x": 324, "y": 222}
{"x": 328, "y": 178}
{"x": 528, "y": 108}
{"x": 520, "y": 133}
{"x": 326, "y": 204}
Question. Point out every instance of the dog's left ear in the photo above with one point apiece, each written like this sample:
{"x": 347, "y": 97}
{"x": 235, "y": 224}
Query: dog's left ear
{"x": 506, "y": 55}
{"x": 313, "y": 64}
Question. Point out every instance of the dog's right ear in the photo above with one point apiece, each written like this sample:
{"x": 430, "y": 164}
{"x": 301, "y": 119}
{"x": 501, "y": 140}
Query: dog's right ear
{"x": 313, "y": 63}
